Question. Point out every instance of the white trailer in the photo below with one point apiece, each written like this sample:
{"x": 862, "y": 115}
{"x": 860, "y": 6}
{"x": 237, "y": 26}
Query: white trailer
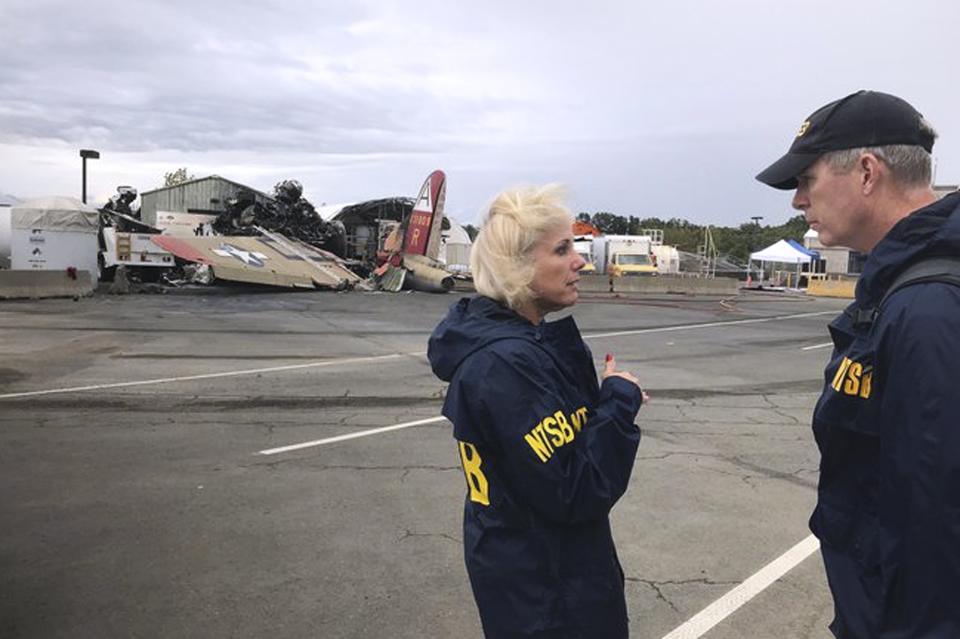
{"x": 134, "y": 250}
{"x": 668, "y": 258}
{"x": 53, "y": 233}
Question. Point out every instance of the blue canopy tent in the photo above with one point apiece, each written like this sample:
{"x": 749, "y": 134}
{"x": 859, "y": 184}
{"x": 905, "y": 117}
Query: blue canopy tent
{"x": 800, "y": 247}
{"x": 784, "y": 252}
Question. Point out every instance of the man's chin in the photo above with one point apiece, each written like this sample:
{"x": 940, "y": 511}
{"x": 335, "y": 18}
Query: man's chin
{"x": 826, "y": 239}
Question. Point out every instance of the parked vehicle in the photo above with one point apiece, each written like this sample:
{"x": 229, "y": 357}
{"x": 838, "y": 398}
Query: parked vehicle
{"x": 667, "y": 258}
{"x": 134, "y": 250}
{"x": 583, "y": 244}
{"x": 625, "y": 255}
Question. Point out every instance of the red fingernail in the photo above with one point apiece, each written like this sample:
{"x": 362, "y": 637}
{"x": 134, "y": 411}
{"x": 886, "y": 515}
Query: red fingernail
{"x": 609, "y": 357}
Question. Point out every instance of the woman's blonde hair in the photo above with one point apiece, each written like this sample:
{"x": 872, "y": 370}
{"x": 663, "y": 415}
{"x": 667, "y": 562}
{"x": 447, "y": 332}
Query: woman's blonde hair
{"x": 501, "y": 257}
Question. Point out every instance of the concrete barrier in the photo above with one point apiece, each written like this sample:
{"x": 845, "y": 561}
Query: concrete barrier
{"x": 594, "y": 283}
{"x": 21, "y": 284}
{"x": 832, "y": 288}
{"x": 670, "y": 284}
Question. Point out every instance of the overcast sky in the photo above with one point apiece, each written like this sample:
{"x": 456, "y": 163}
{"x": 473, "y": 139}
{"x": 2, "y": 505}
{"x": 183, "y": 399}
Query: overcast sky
{"x": 653, "y": 109}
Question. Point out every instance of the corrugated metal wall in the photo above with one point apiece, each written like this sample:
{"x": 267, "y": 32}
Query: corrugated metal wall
{"x": 206, "y": 195}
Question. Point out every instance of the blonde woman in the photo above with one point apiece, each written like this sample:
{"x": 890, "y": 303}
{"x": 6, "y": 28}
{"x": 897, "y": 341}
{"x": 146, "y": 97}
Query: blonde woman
{"x": 546, "y": 450}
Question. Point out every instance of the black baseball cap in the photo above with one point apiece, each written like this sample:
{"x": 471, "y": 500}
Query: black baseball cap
{"x": 862, "y": 119}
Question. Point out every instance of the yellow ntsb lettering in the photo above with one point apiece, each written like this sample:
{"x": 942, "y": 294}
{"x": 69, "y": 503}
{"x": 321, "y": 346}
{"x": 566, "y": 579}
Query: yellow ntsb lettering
{"x": 556, "y": 437}
{"x": 537, "y": 442}
{"x": 555, "y": 431}
{"x": 852, "y": 385}
{"x": 866, "y": 382}
{"x": 579, "y": 418}
{"x": 476, "y": 480}
{"x": 853, "y": 378}
{"x": 564, "y": 427}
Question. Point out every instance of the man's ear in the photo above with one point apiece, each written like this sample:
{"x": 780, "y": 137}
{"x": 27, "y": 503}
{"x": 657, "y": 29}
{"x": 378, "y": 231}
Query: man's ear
{"x": 871, "y": 169}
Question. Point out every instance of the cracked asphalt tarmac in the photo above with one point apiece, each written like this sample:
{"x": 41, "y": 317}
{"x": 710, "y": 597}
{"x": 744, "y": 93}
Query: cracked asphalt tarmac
{"x": 146, "y": 510}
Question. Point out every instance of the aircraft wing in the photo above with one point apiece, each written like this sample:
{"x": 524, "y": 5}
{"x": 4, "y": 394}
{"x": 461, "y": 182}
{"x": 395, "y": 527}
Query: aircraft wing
{"x": 272, "y": 259}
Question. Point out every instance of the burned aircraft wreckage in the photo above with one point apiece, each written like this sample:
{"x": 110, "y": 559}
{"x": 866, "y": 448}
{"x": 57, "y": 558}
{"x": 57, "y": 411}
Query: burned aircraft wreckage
{"x": 285, "y": 242}
{"x": 290, "y": 214}
{"x": 410, "y": 251}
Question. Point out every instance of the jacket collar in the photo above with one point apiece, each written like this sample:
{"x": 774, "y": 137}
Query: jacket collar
{"x": 932, "y": 230}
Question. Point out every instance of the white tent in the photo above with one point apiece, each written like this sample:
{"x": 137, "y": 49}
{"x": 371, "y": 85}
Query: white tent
{"x": 455, "y": 248}
{"x": 781, "y": 252}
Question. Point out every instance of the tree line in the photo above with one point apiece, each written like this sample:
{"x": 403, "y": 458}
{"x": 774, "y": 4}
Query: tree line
{"x": 736, "y": 242}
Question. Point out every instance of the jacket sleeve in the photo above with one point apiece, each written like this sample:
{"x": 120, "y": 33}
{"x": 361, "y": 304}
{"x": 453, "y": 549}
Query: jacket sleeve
{"x": 571, "y": 462}
{"x": 919, "y": 503}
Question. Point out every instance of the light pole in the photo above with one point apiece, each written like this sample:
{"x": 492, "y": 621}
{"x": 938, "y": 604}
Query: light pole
{"x": 753, "y": 232}
{"x": 93, "y": 155}
{"x": 753, "y": 240}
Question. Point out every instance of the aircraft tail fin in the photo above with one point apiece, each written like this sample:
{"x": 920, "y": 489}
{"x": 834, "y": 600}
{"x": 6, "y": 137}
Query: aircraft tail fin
{"x": 422, "y": 233}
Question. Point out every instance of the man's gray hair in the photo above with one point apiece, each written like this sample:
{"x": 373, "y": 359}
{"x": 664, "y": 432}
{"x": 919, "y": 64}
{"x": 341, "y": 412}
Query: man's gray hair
{"x": 910, "y": 165}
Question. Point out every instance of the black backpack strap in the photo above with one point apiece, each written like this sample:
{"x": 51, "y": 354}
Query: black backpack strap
{"x": 930, "y": 269}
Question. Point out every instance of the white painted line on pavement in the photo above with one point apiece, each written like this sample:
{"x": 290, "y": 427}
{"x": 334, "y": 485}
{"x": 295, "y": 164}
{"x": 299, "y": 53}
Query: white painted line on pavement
{"x": 321, "y": 442}
{"x": 340, "y": 438}
{"x": 688, "y": 327}
{"x": 186, "y": 378}
{"x": 703, "y": 621}
{"x": 357, "y": 360}
{"x": 816, "y": 346}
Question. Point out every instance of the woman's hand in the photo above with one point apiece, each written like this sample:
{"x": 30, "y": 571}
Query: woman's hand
{"x": 610, "y": 370}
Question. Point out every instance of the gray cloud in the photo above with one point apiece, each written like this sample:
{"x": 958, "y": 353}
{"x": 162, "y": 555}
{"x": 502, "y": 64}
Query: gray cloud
{"x": 647, "y": 109}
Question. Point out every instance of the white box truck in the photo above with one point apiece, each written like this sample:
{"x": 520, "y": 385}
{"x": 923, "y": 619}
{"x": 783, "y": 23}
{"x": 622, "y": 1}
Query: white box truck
{"x": 625, "y": 255}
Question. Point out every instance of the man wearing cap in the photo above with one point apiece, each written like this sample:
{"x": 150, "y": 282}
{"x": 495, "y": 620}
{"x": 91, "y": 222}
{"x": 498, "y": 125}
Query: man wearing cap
{"x": 888, "y": 420}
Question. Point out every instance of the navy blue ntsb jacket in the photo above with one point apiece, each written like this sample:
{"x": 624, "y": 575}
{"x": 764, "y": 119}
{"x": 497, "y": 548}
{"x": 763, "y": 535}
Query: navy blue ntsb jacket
{"x": 546, "y": 453}
{"x": 888, "y": 428}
